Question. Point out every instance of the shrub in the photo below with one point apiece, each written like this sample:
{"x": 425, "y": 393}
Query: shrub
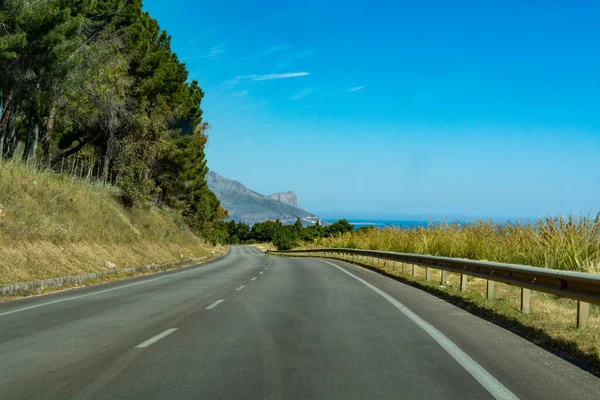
{"x": 285, "y": 238}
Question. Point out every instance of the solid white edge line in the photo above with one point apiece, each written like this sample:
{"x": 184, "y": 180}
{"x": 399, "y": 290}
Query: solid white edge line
{"x": 213, "y": 305}
{"x": 240, "y": 288}
{"x": 155, "y": 338}
{"x": 95, "y": 293}
{"x": 261, "y": 272}
{"x": 491, "y": 384}
{"x": 253, "y": 279}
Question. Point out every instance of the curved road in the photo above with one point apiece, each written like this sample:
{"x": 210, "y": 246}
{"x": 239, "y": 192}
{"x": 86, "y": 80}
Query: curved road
{"x": 249, "y": 326}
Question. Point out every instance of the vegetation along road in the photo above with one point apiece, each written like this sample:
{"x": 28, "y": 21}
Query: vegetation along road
{"x": 255, "y": 326}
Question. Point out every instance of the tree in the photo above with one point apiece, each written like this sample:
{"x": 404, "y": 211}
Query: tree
{"x": 338, "y": 228}
{"x": 298, "y": 225}
{"x": 265, "y": 231}
{"x": 96, "y": 82}
{"x": 286, "y": 238}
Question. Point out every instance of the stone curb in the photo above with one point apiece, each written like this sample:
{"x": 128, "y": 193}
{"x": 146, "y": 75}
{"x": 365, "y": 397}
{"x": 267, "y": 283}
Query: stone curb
{"x": 39, "y": 286}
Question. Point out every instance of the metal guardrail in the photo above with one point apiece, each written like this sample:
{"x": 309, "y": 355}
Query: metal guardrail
{"x": 580, "y": 286}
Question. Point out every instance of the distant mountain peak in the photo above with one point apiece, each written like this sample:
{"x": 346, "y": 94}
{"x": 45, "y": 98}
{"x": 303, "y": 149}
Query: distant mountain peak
{"x": 290, "y": 197}
{"x": 250, "y": 207}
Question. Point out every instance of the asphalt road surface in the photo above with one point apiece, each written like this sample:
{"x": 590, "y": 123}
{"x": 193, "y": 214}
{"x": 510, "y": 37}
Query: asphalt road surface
{"x": 248, "y": 326}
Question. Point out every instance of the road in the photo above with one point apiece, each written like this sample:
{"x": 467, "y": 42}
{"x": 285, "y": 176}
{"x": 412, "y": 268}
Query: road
{"x": 248, "y": 326}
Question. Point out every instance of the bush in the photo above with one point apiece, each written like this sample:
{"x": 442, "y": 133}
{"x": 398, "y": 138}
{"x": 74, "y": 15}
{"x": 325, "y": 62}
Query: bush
{"x": 339, "y": 228}
{"x": 285, "y": 238}
{"x": 251, "y": 241}
{"x": 234, "y": 240}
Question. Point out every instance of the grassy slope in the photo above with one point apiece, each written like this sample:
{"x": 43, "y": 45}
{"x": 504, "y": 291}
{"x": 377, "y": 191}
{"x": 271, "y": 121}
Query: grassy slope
{"x": 52, "y": 225}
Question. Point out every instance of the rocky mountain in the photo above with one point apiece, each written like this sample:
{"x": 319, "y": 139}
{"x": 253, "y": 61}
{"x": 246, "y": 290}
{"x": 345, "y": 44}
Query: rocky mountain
{"x": 288, "y": 197}
{"x": 250, "y": 207}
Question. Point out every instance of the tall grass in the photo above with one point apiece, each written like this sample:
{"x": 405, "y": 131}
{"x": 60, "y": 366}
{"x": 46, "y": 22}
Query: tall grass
{"x": 565, "y": 242}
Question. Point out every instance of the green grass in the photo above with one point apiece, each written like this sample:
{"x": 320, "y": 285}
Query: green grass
{"x": 53, "y": 225}
{"x": 569, "y": 243}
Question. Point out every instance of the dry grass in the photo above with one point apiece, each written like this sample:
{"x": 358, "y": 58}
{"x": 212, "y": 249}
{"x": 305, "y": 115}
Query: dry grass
{"x": 264, "y": 246}
{"x": 567, "y": 243}
{"x": 551, "y": 323}
{"x": 52, "y": 225}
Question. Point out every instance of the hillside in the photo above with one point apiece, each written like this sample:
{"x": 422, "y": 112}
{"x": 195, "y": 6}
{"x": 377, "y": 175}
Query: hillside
{"x": 289, "y": 197}
{"x": 250, "y": 207}
{"x": 52, "y": 225}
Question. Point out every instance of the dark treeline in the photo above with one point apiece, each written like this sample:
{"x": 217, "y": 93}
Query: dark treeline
{"x": 93, "y": 87}
{"x": 284, "y": 237}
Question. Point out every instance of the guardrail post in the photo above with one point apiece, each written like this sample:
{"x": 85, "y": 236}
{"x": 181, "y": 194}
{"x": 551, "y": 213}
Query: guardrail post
{"x": 583, "y": 314}
{"x": 490, "y": 290}
{"x": 463, "y": 282}
{"x": 525, "y": 300}
{"x": 394, "y": 265}
{"x": 444, "y": 278}
{"x": 428, "y": 273}
{"x": 404, "y": 268}
{"x": 414, "y": 270}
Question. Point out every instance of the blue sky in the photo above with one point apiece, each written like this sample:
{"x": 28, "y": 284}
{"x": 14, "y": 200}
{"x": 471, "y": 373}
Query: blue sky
{"x": 382, "y": 109}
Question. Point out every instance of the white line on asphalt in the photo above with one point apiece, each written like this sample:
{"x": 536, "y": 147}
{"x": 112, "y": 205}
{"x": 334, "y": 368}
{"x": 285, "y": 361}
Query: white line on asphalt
{"x": 491, "y": 384}
{"x": 213, "y": 305}
{"x": 261, "y": 272}
{"x": 95, "y": 293}
{"x": 155, "y": 338}
{"x": 240, "y": 288}
{"x": 253, "y": 279}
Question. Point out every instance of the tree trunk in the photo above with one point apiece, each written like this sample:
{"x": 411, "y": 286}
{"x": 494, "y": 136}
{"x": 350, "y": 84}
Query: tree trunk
{"x": 12, "y": 138}
{"x": 7, "y": 115}
{"x": 48, "y": 130}
{"x": 106, "y": 161}
{"x": 36, "y": 138}
{"x": 1, "y": 146}
{"x": 28, "y": 140}
{"x": 105, "y": 167}
{"x": 6, "y": 111}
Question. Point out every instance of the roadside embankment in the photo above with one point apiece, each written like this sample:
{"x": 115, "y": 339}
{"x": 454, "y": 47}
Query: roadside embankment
{"x": 52, "y": 226}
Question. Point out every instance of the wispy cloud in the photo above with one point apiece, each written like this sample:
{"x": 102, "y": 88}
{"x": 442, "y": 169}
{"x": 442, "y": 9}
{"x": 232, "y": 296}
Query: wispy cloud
{"x": 301, "y": 94}
{"x": 280, "y": 47}
{"x": 266, "y": 77}
{"x": 214, "y": 52}
{"x": 356, "y": 89}
{"x": 242, "y": 93}
{"x": 279, "y": 76}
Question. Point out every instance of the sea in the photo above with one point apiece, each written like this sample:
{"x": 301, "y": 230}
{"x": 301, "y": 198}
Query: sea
{"x": 384, "y": 223}
{"x": 415, "y": 223}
